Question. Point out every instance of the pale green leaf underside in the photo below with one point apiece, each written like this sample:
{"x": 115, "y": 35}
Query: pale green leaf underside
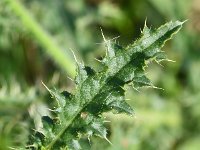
{"x": 80, "y": 114}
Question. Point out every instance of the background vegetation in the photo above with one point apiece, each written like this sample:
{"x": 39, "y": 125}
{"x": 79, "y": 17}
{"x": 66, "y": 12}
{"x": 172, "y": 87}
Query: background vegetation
{"x": 36, "y": 39}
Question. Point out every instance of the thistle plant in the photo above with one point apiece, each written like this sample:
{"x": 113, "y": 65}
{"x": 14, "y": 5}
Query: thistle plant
{"x": 79, "y": 114}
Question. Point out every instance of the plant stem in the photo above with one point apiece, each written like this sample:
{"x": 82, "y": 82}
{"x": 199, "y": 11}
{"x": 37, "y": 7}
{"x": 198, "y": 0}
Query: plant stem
{"x": 63, "y": 60}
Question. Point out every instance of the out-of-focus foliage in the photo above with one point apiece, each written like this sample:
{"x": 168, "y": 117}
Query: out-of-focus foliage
{"x": 165, "y": 119}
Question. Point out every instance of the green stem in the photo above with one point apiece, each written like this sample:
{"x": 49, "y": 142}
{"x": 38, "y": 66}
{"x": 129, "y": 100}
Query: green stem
{"x": 46, "y": 41}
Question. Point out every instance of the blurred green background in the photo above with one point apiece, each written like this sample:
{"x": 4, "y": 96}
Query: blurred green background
{"x": 37, "y": 38}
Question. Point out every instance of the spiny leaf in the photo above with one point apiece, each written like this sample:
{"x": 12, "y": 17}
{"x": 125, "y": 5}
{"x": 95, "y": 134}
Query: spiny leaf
{"x": 80, "y": 115}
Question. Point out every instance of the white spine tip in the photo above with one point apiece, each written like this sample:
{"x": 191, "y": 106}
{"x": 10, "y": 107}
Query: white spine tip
{"x": 103, "y": 35}
{"x": 45, "y": 86}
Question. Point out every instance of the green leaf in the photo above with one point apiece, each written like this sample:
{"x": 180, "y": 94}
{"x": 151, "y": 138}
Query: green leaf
{"x": 80, "y": 115}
